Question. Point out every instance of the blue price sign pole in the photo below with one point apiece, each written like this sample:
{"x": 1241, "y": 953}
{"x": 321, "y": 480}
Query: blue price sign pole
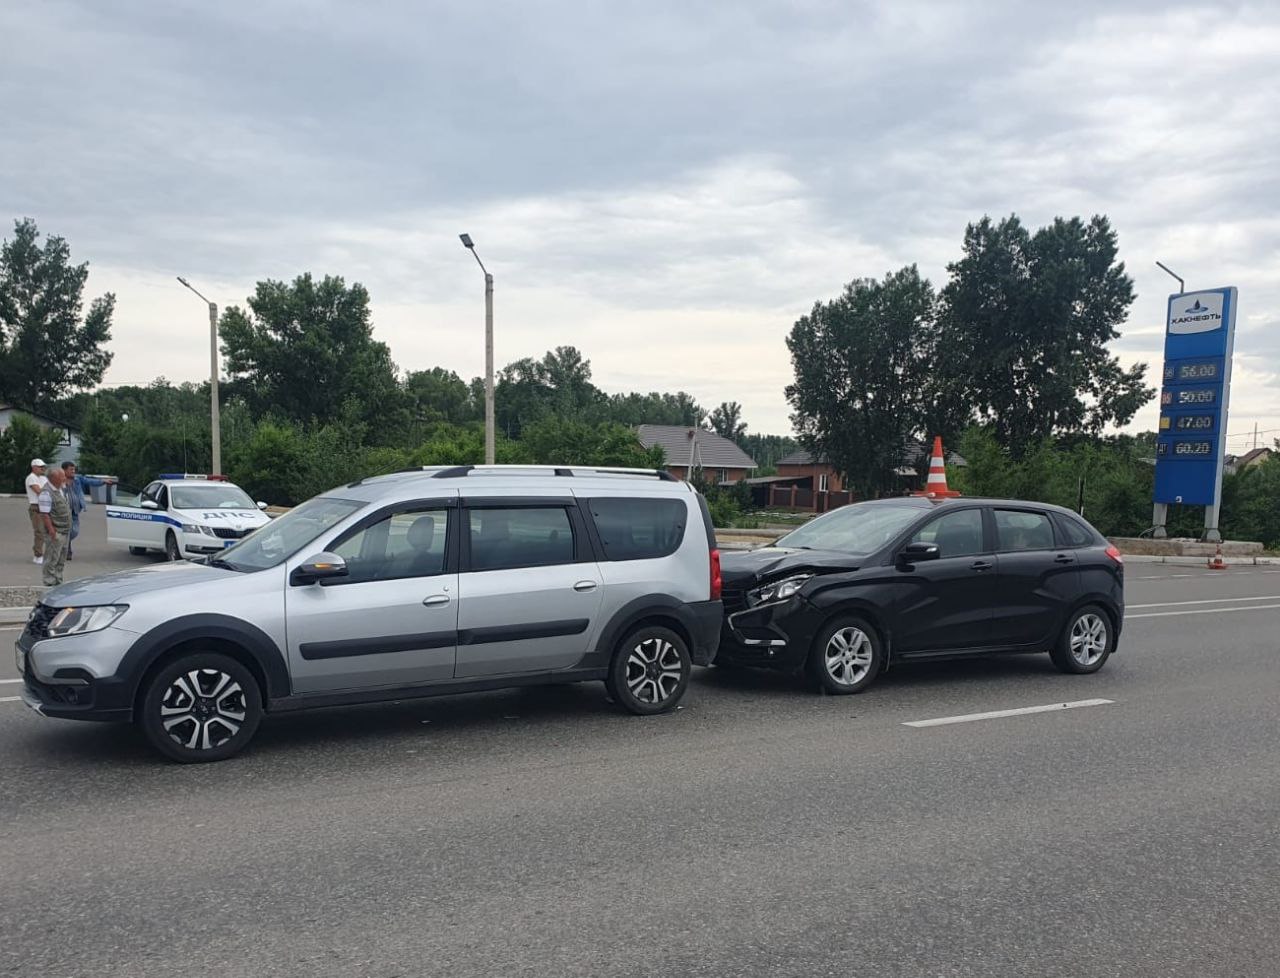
{"x": 1199, "y": 339}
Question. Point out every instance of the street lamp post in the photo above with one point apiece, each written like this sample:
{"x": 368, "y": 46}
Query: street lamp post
{"x": 214, "y": 410}
{"x": 488, "y": 351}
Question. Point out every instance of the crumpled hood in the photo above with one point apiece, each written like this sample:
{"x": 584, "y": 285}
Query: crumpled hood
{"x": 770, "y": 562}
{"x": 118, "y": 587}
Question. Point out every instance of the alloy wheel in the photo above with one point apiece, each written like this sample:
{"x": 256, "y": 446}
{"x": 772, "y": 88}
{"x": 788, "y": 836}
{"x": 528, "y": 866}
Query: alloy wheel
{"x": 848, "y": 656}
{"x": 203, "y": 709}
{"x": 654, "y": 671}
{"x": 1088, "y": 639}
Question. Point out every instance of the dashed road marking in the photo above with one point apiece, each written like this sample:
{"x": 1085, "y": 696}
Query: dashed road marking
{"x": 1202, "y": 611}
{"x": 10, "y": 699}
{"x": 997, "y": 714}
{"x": 1165, "y": 604}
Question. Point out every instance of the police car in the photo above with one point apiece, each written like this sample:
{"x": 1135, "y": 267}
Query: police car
{"x": 185, "y": 515}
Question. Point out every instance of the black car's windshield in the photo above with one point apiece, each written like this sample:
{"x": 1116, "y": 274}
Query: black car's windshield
{"x": 286, "y": 535}
{"x": 856, "y": 529}
{"x": 212, "y": 495}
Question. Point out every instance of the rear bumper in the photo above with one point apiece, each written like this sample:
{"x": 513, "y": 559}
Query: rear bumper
{"x": 704, "y": 626}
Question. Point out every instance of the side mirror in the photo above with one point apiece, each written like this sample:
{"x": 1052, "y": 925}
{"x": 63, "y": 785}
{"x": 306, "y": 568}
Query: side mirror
{"x": 914, "y": 553}
{"x": 261, "y": 505}
{"x": 149, "y": 504}
{"x": 319, "y": 567}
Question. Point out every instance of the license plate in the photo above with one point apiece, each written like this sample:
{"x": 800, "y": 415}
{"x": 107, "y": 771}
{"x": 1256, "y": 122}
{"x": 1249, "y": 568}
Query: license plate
{"x": 229, "y": 543}
{"x": 21, "y": 659}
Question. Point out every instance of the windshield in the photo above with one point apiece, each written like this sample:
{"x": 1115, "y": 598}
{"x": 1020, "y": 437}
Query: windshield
{"x": 215, "y": 495}
{"x": 853, "y": 529}
{"x": 286, "y": 535}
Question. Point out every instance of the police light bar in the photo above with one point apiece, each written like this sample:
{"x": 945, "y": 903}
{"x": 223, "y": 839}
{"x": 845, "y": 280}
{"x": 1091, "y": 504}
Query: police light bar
{"x": 193, "y": 475}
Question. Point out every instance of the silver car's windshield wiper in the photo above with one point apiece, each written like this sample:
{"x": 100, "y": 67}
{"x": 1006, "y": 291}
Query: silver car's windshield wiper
{"x": 219, "y": 562}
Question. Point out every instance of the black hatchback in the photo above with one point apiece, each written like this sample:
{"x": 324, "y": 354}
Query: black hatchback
{"x": 845, "y": 596}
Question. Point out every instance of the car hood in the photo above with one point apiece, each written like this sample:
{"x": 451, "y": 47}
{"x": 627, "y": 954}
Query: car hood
{"x": 122, "y": 585}
{"x": 234, "y": 519}
{"x": 770, "y": 562}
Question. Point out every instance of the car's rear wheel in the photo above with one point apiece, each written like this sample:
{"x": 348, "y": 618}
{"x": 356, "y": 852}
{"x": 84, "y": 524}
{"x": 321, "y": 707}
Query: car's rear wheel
{"x": 846, "y": 657}
{"x": 201, "y": 707}
{"x": 650, "y": 671}
{"x": 1086, "y": 642}
{"x": 171, "y": 551}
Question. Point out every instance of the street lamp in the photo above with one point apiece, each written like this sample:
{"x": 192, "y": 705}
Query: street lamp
{"x": 1182, "y": 286}
{"x": 213, "y": 379}
{"x": 488, "y": 351}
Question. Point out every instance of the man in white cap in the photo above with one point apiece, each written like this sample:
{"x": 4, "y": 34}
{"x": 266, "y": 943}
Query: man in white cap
{"x": 35, "y": 482}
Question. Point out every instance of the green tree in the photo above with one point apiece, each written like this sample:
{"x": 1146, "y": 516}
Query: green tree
{"x": 1025, "y": 323}
{"x": 305, "y": 350}
{"x": 441, "y": 395}
{"x": 726, "y": 421}
{"x": 860, "y": 378}
{"x": 22, "y": 441}
{"x": 48, "y": 349}
{"x": 565, "y": 441}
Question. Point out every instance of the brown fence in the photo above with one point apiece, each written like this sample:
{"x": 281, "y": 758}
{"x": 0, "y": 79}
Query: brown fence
{"x": 793, "y": 497}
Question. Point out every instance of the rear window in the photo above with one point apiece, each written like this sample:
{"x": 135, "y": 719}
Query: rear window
{"x": 1073, "y": 532}
{"x": 1018, "y": 530}
{"x": 639, "y": 529}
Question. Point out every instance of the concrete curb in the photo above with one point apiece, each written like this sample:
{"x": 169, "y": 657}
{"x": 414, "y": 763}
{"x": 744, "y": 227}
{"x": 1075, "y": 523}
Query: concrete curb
{"x": 14, "y": 616}
{"x": 1197, "y": 561}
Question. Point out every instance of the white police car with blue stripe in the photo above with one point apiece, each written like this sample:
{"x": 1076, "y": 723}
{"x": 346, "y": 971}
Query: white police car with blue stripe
{"x": 185, "y": 515}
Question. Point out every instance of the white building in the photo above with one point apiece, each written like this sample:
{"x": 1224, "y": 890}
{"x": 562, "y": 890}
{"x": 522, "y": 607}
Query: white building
{"x": 68, "y": 446}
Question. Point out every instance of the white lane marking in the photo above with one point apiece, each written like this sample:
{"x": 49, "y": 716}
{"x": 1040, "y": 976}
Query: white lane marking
{"x": 995, "y": 714}
{"x": 1202, "y": 611}
{"x": 10, "y": 680}
{"x": 10, "y": 699}
{"x": 1165, "y": 604}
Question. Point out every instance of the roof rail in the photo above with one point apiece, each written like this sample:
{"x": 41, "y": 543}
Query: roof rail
{"x": 569, "y": 471}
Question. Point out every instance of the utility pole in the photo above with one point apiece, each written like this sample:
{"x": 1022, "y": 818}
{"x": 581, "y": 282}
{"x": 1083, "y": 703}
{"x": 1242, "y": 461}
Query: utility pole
{"x": 489, "y": 447}
{"x": 215, "y": 419}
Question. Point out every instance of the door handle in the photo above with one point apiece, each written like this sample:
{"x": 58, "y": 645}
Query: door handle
{"x": 436, "y": 600}
{"x": 585, "y": 586}
{"x": 981, "y": 565}
{"x": 1064, "y": 559}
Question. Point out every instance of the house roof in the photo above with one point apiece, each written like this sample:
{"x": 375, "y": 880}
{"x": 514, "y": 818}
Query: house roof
{"x": 706, "y": 449}
{"x": 911, "y": 454}
{"x": 1254, "y": 455}
{"x": 37, "y": 414}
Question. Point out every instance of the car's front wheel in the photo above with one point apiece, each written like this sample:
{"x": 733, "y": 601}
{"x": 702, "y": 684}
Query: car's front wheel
{"x": 847, "y": 656}
{"x": 171, "y": 551}
{"x": 1086, "y": 642}
{"x": 650, "y": 671}
{"x": 201, "y": 707}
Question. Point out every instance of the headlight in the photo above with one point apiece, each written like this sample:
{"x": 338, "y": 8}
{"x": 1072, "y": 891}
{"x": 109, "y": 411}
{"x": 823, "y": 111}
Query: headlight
{"x": 197, "y": 528}
{"x": 76, "y": 621}
{"x": 779, "y": 590}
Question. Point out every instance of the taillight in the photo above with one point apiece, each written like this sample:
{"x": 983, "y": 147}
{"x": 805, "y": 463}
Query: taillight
{"x": 1114, "y": 554}
{"x": 717, "y": 579}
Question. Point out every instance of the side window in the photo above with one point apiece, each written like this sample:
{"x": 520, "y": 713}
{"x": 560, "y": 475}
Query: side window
{"x": 405, "y": 544}
{"x": 150, "y": 491}
{"x": 1023, "y": 531}
{"x": 503, "y": 538}
{"x": 957, "y": 534}
{"x": 639, "y": 529}
{"x": 162, "y": 496}
{"x": 1072, "y": 533}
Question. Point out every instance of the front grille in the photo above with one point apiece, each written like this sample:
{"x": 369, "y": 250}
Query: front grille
{"x": 226, "y": 533}
{"x": 733, "y": 598}
{"x": 38, "y": 623}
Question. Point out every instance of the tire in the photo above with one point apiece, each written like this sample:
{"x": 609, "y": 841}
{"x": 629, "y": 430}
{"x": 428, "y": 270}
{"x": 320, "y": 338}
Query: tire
{"x": 138, "y": 551}
{"x": 847, "y": 656}
{"x": 650, "y": 671}
{"x": 179, "y": 721}
{"x": 171, "y": 551}
{"x": 1086, "y": 642}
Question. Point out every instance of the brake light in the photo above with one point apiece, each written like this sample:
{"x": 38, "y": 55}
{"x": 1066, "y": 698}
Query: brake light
{"x": 1114, "y": 554}
{"x": 717, "y": 579}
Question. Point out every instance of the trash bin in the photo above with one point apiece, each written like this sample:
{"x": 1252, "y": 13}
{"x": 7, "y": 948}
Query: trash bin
{"x": 105, "y": 493}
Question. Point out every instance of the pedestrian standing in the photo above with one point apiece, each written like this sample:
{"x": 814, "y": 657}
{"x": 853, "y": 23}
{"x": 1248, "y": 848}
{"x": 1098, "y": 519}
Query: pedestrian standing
{"x": 55, "y": 514}
{"x": 35, "y": 482}
{"x": 75, "y": 488}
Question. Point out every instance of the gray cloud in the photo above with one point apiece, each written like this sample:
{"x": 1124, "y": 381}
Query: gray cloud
{"x": 666, "y": 185}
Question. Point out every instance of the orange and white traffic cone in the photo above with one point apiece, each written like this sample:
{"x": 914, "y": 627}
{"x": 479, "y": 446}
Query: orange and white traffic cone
{"x": 1216, "y": 562}
{"x": 936, "y": 486}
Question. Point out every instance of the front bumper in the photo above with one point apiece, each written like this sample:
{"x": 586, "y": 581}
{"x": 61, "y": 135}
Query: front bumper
{"x": 203, "y": 544}
{"x": 72, "y": 677}
{"x": 765, "y": 635}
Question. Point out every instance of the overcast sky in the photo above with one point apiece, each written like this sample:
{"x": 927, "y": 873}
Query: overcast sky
{"x": 664, "y": 185}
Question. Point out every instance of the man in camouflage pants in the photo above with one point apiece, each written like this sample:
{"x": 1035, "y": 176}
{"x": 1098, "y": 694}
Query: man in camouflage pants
{"x": 55, "y": 514}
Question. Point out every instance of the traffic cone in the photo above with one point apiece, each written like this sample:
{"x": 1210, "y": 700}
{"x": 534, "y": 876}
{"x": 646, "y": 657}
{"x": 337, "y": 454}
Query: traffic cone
{"x": 1216, "y": 562}
{"x": 936, "y": 486}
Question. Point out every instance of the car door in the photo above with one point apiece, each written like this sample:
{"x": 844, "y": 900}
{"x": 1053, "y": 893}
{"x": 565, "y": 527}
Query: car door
{"x": 529, "y": 590}
{"x": 946, "y": 603}
{"x": 393, "y": 620}
{"x": 150, "y": 531}
{"x": 1036, "y": 578}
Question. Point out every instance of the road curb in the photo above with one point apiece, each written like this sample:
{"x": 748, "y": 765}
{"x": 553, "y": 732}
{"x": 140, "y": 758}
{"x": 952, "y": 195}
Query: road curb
{"x": 1197, "y": 561}
{"x": 14, "y": 616}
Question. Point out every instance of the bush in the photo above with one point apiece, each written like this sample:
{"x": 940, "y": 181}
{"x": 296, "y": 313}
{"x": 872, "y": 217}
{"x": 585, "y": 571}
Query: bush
{"x": 22, "y": 441}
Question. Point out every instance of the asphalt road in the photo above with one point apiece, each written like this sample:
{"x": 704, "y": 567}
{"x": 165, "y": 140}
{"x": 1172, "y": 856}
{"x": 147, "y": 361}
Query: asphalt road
{"x": 761, "y": 830}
